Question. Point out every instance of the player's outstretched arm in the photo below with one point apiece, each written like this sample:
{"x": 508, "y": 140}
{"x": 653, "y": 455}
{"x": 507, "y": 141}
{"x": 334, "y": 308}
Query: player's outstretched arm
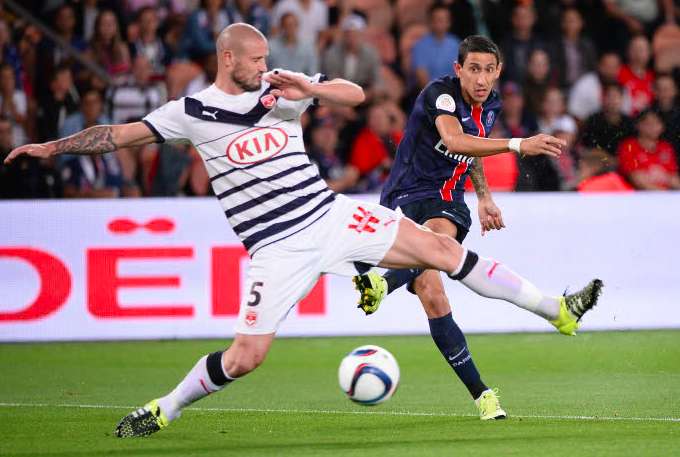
{"x": 296, "y": 87}
{"x": 459, "y": 142}
{"x": 94, "y": 140}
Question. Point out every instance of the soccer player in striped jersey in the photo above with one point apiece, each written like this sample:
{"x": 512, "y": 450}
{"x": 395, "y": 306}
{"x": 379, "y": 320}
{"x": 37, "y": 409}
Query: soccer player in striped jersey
{"x": 246, "y": 126}
{"x": 446, "y": 137}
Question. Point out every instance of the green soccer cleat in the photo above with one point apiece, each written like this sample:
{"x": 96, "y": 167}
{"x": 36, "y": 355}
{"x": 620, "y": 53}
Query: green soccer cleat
{"x": 574, "y": 306}
{"x": 142, "y": 422}
{"x": 489, "y": 406}
{"x": 372, "y": 289}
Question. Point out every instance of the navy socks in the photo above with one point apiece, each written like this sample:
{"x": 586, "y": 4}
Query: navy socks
{"x": 397, "y": 278}
{"x": 451, "y": 343}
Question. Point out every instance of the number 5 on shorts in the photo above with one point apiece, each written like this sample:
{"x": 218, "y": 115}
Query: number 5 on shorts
{"x": 255, "y": 295}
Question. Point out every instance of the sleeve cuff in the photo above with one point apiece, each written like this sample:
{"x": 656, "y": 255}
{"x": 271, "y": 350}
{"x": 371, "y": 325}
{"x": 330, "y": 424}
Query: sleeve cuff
{"x": 322, "y": 78}
{"x": 159, "y": 137}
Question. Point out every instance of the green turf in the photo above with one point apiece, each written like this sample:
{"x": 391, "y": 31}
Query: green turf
{"x": 624, "y": 375}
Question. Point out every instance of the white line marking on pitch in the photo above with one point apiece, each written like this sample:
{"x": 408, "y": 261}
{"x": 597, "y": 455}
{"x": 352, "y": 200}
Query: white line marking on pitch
{"x": 370, "y": 413}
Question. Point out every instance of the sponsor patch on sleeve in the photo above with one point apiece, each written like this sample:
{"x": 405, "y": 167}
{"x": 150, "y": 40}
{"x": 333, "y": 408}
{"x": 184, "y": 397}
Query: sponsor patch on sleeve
{"x": 445, "y": 103}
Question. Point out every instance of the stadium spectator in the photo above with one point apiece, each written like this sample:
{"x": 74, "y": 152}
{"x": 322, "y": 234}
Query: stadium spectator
{"x": 61, "y": 101}
{"x": 313, "y": 17}
{"x": 585, "y": 96}
{"x": 323, "y": 152}
{"x": 517, "y": 47}
{"x": 520, "y": 173}
{"x": 352, "y": 58}
{"x": 636, "y": 77}
{"x": 575, "y": 53}
{"x": 86, "y": 176}
{"x": 203, "y": 80}
{"x": 434, "y": 54}
{"x": 465, "y": 17}
{"x": 149, "y": 44}
{"x": 375, "y": 146}
{"x": 13, "y": 104}
{"x": 203, "y": 26}
{"x": 596, "y": 170}
{"x": 667, "y": 104}
{"x": 91, "y": 113}
{"x": 249, "y": 11}
{"x": 50, "y": 55}
{"x": 647, "y": 161}
{"x": 87, "y": 14}
{"x": 107, "y": 47}
{"x": 28, "y": 177}
{"x": 137, "y": 95}
{"x": 565, "y": 129}
{"x": 605, "y": 129}
{"x": 9, "y": 53}
{"x": 628, "y": 18}
{"x": 553, "y": 112}
{"x": 287, "y": 51}
{"x": 537, "y": 80}
{"x": 173, "y": 33}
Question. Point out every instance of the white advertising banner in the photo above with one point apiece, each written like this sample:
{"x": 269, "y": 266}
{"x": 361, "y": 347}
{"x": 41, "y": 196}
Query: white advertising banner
{"x": 172, "y": 268}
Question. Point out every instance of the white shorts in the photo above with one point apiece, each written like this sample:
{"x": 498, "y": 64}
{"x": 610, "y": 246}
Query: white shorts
{"x": 283, "y": 273}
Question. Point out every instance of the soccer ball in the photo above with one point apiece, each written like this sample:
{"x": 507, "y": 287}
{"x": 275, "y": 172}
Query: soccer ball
{"x": 369, "y": 375}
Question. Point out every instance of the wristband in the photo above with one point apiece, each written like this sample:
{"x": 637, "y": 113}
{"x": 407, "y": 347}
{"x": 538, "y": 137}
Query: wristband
{"x": 514, "y": 144}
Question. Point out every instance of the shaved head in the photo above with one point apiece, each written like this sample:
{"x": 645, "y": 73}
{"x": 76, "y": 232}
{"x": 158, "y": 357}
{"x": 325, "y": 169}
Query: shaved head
{"x": 241, "y": 58}
{"x": 237, "y": 37}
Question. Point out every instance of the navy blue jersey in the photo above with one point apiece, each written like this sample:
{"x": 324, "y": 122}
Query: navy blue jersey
{"x": 423, "y": 167}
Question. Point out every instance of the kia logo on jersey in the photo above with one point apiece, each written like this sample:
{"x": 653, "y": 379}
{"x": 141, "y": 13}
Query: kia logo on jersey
{"x": 268, "y": 101}
{"x": 257, "y": 145}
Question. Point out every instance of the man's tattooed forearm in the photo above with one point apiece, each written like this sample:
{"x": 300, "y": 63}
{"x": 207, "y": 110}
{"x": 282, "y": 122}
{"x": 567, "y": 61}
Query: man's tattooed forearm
{"x": 95, "y": 140}
{"x": 478, "y": 178}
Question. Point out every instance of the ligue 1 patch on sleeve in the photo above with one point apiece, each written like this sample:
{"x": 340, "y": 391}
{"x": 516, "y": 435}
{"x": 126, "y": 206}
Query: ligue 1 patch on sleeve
{"x": 445, "y": 103}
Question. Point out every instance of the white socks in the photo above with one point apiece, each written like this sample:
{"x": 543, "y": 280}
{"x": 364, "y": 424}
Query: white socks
{"x": 491, "y": 279}
{"x": 206, "y": 377}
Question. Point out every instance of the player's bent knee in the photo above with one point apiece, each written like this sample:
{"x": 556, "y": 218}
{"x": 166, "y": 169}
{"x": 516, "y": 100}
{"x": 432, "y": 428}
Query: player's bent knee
{"x": 434, "y": 300}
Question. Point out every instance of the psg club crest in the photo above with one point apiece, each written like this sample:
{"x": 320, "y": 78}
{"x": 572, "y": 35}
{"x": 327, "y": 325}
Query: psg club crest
{"x": 489, "y": 119}
{"x": 268, "y": 101}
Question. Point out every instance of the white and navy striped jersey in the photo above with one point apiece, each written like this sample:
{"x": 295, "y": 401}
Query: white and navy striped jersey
{"x": 252, "y": 147}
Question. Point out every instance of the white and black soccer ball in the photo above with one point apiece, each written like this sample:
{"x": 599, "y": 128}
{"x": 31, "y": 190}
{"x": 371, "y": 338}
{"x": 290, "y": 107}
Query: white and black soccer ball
{"x": 369, "y": 375}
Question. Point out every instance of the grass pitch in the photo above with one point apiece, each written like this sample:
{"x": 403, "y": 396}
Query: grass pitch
{"x": 603, "y": 394}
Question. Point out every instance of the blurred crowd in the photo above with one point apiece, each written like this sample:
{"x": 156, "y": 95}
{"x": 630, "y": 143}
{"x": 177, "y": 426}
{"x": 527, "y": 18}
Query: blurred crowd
{"x": 602, "y": 74}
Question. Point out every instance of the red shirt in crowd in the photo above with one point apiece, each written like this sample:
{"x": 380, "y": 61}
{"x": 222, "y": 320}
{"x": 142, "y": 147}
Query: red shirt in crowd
{"x": 369, "y": 150}
{"x": 640, "y": 90}
{"x": 607, "y": 182}
{"x": 659, "y": 163}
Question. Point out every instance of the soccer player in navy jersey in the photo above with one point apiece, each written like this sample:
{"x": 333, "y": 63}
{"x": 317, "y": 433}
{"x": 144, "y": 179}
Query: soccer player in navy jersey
{"x": 445, "y": 139}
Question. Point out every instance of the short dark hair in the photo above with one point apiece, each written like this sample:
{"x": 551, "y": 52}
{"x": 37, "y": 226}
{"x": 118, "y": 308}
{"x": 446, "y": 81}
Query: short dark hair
{"x": 437, "y": 6}
{"x": 606, "y": 87}
{"x": 477, "y": 43}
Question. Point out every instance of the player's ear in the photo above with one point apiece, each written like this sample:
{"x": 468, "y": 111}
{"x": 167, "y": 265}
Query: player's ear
{"x": 457, "y": 67}
{"x": 499, "y": 68}
{"x": 228, "y": 57}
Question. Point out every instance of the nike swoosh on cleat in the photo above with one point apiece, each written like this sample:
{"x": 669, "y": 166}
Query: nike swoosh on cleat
{"x": 465, "y": 119}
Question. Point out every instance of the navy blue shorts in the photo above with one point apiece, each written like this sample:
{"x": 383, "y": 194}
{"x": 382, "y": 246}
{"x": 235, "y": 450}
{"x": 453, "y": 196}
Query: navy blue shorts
{"x": 421, "y": 211}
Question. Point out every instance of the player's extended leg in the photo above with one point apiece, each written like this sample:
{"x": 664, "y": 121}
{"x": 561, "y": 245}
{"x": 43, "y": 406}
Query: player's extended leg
{"x": 210, "y": 374}
{"x": 417, "y": 247}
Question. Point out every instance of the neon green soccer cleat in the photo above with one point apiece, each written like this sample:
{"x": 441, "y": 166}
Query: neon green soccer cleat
{"x": 489, "y": 406}
{"x": 372, "y": 289}
{"x": 142, "y": 422}
{"x": 574, "y": 306}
